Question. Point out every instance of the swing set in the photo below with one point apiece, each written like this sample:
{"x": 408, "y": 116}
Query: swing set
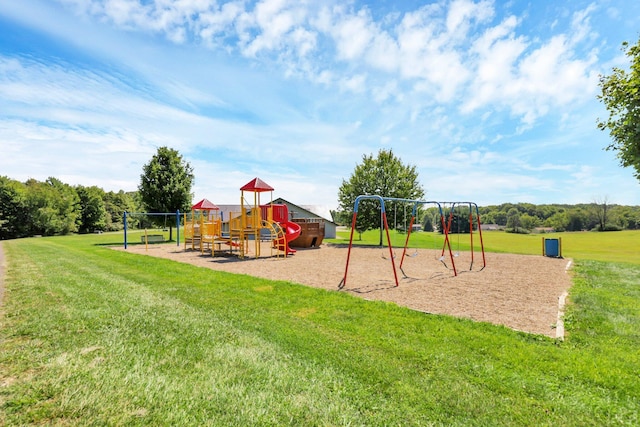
{"x": 456, "y": 216}
{"x": 146, "y": 239}
{"x": 446, "y": 220}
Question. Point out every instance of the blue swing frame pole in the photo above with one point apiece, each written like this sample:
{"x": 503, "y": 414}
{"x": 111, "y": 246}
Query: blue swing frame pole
{"x": 124, "y": 221}
{"x": 178, "y": 227}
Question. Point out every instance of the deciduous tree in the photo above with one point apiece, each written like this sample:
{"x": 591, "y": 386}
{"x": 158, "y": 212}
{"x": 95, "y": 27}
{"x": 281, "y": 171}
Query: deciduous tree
{"x": 165, "y": 184}
{"x": 13, "y": 221}
{"x": 93, "y": 215}
{"x": 621, "y": 96}
{"x": 384, "y": 175}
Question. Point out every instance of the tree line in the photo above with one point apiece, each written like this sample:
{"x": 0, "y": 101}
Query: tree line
{"x": 52, "y": 207}
{"x": 597, "y": 216}
{"x": 386, "y": 175}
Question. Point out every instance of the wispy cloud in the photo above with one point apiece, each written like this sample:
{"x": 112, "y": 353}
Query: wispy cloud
{"x": 298, "y": 91}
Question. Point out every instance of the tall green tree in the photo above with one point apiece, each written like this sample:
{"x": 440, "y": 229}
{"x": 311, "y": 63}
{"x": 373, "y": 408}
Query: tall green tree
{"x": 621, "y": 96}
{"x": 93, "y": 215}
{"x": 52, "y": 207}
{"x": 116, "y": 204}
{"x": 165, "y": 184}
{"x": 384, "y": 175}
{"x": 13, "y": 221}
{"x": 558, "y": 221}
{"x": 513, "y": 220}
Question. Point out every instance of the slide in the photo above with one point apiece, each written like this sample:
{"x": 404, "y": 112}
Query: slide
{"x": 291, "y": 232}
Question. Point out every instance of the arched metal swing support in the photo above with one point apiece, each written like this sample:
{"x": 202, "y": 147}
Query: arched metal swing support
{"x": 445, "y": 231}
{"x": 383, "y": 213}
{"x": 177, "y": 214}
{"x": 472, "y": 206}
{"x": 353, "y": 227}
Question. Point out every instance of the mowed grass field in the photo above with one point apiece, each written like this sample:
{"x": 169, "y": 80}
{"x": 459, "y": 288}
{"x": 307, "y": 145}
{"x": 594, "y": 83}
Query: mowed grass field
{"x": 92, "y": 336}
{"x": 619, "y": 246}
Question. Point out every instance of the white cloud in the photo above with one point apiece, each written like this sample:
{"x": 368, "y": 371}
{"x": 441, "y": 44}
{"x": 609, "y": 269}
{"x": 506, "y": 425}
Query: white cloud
{"x": 462, "y": 12}
{"x": 354, "y": 83}
{"x": 296, "y": 91}
{"x": 273, "y": 21}
{"x": 352, "y": 35}
{"x": 446, "y": 50}
{"x": 527, "y": 80}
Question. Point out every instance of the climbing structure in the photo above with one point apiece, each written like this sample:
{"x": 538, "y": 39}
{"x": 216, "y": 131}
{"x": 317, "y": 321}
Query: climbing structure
{"x": 202, "y": 226}
{"x": 257, "y": 222}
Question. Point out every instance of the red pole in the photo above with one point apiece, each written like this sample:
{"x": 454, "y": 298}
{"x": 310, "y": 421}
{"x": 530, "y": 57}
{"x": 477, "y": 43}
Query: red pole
{"x": 484, "y": 261}
{"x": 393, "y": 264}
{"x": 406, "y": 242}
{"x": 446, "y": 229}
{"x": 471, "y": 233}
{"x": 346, "y": 267}
{"x": 447, "y": 244}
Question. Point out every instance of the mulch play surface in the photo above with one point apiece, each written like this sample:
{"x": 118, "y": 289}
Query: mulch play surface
{"x": 517, "y": 291}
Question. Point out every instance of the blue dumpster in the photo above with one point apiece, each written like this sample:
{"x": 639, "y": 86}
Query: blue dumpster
{"x": 552, "y": 248}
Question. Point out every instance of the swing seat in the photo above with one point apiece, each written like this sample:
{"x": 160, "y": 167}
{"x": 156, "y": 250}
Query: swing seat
{"x": 415, "y": 254}
{"x": 152, "y": 238}
{"x": 384, "y": 257}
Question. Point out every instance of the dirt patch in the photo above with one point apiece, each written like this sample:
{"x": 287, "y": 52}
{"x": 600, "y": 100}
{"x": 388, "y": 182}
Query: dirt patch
{"x": 517, "y": 291}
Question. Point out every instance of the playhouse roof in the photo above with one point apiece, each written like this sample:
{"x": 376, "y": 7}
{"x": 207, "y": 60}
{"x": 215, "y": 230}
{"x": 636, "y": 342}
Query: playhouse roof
{"x": 257, "y": 185}
{"x": 204, "y": 205}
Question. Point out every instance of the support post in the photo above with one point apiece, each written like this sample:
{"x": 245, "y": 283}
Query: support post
{"x": 178, "y": 227}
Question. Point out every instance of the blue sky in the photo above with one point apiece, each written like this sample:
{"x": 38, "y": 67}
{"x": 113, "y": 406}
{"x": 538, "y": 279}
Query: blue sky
{"x": 492, "y": 101}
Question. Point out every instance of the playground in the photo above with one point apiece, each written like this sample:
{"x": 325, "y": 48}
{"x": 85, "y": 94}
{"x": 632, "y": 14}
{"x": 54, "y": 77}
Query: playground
{"x": 525, "y": 293}
{"x": 518, "y": 291}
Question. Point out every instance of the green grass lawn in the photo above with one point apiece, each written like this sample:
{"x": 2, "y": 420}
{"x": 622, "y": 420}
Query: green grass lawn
{"x": 94, "y": 336}
{"x": 618, "y": 246}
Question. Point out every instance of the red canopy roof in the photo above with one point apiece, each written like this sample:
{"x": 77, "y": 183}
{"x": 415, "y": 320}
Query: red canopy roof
{"x": 257, "y": 185}
{"x": 205, "y": 205}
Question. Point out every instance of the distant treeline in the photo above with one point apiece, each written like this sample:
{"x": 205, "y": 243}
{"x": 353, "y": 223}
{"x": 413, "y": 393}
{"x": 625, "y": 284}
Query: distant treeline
{"x": 52, "y": 207}
{"x": 527, "y": 217}
{"x": 599, "y": 216}
{"x": 518, "y": 217}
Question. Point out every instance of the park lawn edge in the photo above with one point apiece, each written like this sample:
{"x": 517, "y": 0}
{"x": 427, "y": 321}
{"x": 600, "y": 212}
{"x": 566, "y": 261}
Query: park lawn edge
{"x": 375, "y": 363}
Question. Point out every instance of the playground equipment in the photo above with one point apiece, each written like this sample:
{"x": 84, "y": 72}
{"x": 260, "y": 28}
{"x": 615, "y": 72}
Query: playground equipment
{"x": 281, "y": 231}
{"x": 311, "y": 233}
{"x": 203, "y": 226}
{"x": 147, "y": 238}
{"x": 445, "y": 224}
{"x": 459, "y": 231}
{"x": 206, "y": 229}
{"x": 257, "y": 222}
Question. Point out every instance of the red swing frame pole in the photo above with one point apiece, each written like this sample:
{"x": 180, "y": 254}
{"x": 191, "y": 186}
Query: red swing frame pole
{"x": 471, "y": 234}
{"x": 386, "y": 227}
{"x": 484, "y": 261}
{"x": 406, "y": 241}
{"x": 447, "y": 242}
{"x": 353, "y": 226}
{"x": 346, "y": 267}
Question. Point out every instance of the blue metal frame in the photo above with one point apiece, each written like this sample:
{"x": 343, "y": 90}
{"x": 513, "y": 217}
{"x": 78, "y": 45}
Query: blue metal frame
{"x": 177, "y": 214}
